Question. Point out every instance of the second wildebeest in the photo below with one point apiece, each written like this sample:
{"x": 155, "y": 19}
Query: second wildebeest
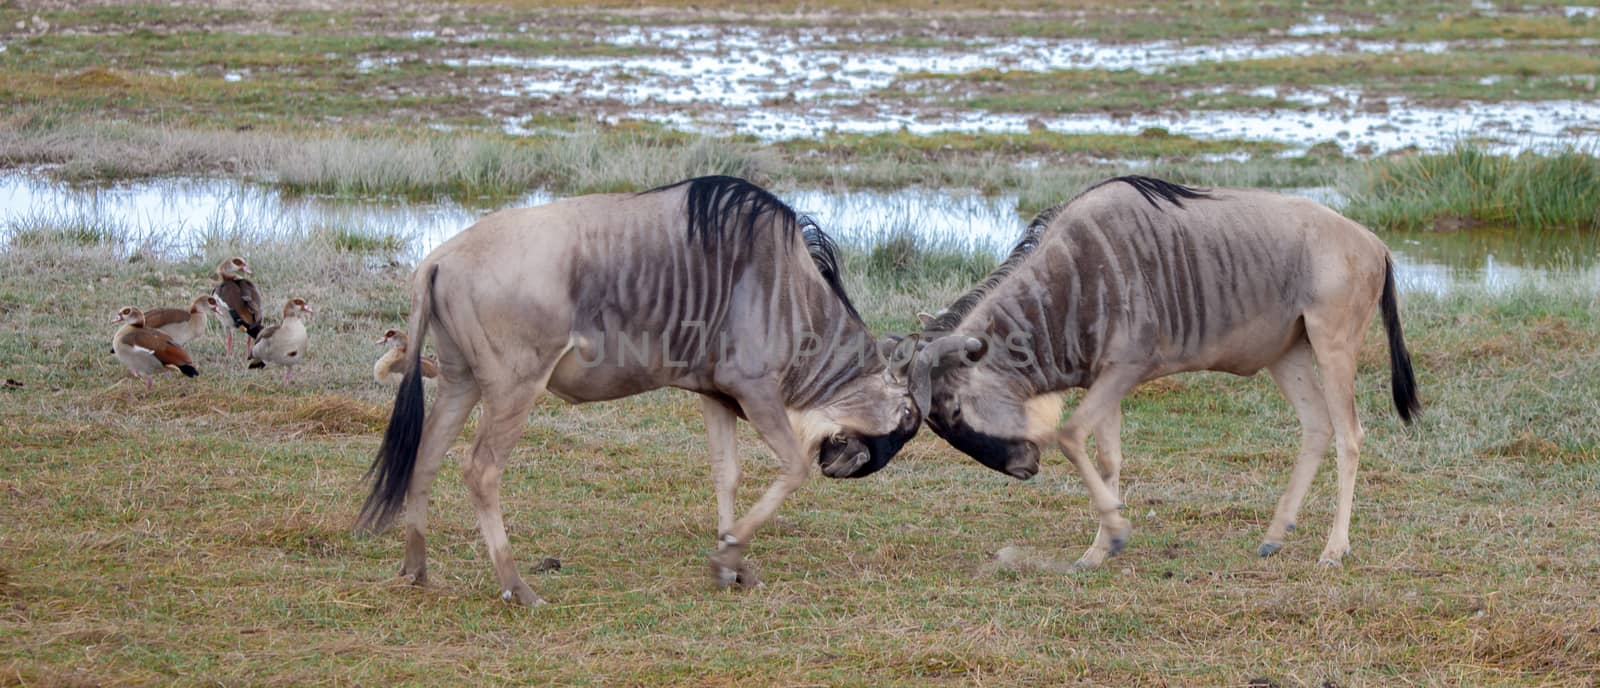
{"x": 712, "y": 285}
{"x": 1138, "y": 278}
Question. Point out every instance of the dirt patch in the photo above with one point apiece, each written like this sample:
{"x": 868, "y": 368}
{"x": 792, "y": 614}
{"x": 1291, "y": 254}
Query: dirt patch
{"x": 1560, "y": 645}
{"x": 100, "y": 79}
{"x": 1545, "y": 335}
{"x": 1530, "y": 448}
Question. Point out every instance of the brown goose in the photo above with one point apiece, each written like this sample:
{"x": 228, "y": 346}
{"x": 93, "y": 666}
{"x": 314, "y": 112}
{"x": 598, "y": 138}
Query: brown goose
{"x": 391, "y": 367}
{"x": 146, "y": 351}
{"x": 183, "y": 325}
{"x": 283, "y": 344}
{"x": 241, "y": 298}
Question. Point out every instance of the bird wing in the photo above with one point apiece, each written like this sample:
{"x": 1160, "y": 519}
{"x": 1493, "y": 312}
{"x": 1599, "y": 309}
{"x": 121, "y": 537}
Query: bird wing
{"x": 159, "y": 344}
{"x": 244, "y": 304}
{"x": 162, "y": 317}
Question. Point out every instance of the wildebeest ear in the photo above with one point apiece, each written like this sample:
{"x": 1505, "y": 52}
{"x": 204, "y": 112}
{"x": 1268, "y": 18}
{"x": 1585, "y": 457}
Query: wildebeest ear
{"x": 925, "y": 319}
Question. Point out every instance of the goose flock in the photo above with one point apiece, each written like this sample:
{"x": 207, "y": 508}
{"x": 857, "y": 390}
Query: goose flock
{"x": 152, "y": 342}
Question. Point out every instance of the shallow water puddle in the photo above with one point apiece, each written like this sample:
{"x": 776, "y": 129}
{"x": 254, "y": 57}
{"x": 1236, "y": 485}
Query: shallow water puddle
{"x": 181, "y": 215}
{"x": 804, "y": 83}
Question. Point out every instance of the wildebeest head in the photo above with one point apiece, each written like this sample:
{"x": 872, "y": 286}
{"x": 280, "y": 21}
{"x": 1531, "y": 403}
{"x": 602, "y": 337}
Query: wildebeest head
{"x": 966, "y": 398}
{"x": 870, "y": 419}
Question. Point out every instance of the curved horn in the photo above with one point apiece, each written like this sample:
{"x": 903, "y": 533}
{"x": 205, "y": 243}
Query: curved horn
{"x": 936, "y": 355}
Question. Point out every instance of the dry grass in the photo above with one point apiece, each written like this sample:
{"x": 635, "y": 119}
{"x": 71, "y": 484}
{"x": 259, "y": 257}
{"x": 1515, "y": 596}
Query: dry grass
{"x": 199, "y": 534}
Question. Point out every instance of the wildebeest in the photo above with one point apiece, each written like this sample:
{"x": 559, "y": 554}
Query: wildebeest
{"x": 712, "y": 285}
{"x": 1137, "y": 278}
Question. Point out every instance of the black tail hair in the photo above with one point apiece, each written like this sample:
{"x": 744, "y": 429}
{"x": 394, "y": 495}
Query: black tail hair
{"x": 189, "y": 370}
{"x": 257, "y": 363}
{"x": 397, "y": 456}
{"x": 1401, "y": 379}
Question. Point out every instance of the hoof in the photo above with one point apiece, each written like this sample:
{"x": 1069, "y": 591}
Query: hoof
{"x": 747, "y": 579}
{"x": 1333, "y": 560}
{"x": 1092, "y": 558}
{"x": 417, "y": 576}
{"x": 1119, "y": 538}
{"x": 743, "y": 578}
{"x": 730, "y": 569}
{"x": 1268, "y": 549}
{"x": 1117, "y": 543}
{"x": 521, "y": 595}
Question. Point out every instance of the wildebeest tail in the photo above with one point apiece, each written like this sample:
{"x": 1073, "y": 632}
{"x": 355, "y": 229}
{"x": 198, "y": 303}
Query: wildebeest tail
{"x": 397, "y": 456}
{"x": 1401, "y": 379}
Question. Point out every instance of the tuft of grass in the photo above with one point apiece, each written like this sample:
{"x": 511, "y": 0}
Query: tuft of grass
{"x": 420, "y": 167}
{"x": 363, "y": 242}
{"x": 36, "y": 232}
{"x": 332, "y": 414}
{"x": 1468, "y": 185}
{"x": 906, "y": 258}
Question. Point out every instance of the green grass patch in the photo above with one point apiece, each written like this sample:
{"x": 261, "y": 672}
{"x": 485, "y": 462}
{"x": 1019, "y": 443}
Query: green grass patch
{"x": 365, "y": 242}
{"x": 1154, "y": 142}
{"x": 1481, "y": 26}
{"x": 1470, "y": 186}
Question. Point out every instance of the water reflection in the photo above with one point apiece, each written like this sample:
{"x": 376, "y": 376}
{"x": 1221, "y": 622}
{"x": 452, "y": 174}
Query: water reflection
{"x": 182, "y": 215}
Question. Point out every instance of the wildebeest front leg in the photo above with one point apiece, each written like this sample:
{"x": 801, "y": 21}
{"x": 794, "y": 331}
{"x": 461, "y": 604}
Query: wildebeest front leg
{"x": 1108, "y": 458}
{"x": 1102, "y": 400}
{"x": 1297, "y": 379}
{"x": 771, "y": 421}
{"x": 720, "y": 438}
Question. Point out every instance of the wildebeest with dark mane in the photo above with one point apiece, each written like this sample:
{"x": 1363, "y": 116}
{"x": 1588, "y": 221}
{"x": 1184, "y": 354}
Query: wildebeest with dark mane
{"x": 712, "y": 285}
{"x": 1138, "y": 278}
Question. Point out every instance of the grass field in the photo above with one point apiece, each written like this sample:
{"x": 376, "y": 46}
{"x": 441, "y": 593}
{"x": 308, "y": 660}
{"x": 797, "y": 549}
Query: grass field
{"x": 200, "y": 534}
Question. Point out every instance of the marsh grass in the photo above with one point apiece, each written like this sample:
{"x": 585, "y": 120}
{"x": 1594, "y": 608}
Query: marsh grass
{"x": 1468, "y": 185}
{"x": 198, "y": 534}
{"x": 1043, "y": 167}
{"x": 461, "y": 166}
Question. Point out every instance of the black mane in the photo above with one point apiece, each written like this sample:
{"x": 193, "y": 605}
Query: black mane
{"x": 950, "y": 317}
{"x": 722, "y": 208}
{"x": 1148, "y": 187}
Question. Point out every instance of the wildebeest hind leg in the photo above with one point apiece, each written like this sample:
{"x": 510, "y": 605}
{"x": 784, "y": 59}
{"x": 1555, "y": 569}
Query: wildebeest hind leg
{"x": 1297, "y": 379}
{"x": 457, "y": 395}
{"x": 1104, "y": 397}
{"x": 1336, "y": 349}
{"x": 1108, "y": 458}
{"x": 505, "y": 410}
